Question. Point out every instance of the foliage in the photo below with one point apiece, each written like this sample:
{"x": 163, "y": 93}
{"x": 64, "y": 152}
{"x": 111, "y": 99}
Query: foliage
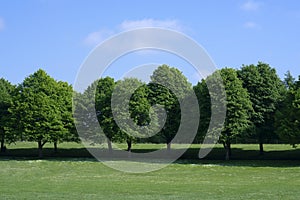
{"x": 64, "y": 104}
{"x": 287, "y": 118}
{"x": 204, "y": 102}
{"x": 169, "y": 87}
{"x": 39, "y": 109}
{"x": 132, "y": 111}
{"x": 7, "y": 91}
{"x": 266, "y": 92}
{"x": 103, "y": 94}
{"x": 238, "y": 106}
{"x": 42, "y": 109}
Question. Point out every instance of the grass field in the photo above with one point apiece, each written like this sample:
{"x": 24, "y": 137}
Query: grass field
{"x": 67, "y": 175}
{"x": 88, "y": 179}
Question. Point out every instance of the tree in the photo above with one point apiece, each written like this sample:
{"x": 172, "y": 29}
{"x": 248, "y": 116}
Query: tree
{"x": 38, "y": 110}
{"x": 104, "y": 90}
{"x": 265, "y": 90}
{"x": 85, "y": 118}
{"x": 63, "y": 99}
{"x": 287, "y": 117}
{"x": 169, "y": 87}
{"x": 132, "y": 111}
{"x": 6, "y": 100}
{"x": 238, "y": 106}
{"x": 289, "y": 80}
{"x": 203, "y": 97}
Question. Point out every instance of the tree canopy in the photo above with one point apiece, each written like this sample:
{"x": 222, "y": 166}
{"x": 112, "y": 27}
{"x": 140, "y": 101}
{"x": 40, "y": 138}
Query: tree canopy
{"x": 238, "y": 107}
{"x": 259, "y": 105}
{"x": 287, "y": 118}
{"x": 169, "y": 87}
{"x": 7, "y": 92}
{"x": 42, "y": 109}
{"x": 266, "y": 91}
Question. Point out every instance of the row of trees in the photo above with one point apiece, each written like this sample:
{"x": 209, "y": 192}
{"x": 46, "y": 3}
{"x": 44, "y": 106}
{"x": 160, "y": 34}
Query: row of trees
{"x": 254, "y": 93}
{"x": 261, "y": 108}
{"x": 142, "y": 119}
{"x": 39, "y": 109}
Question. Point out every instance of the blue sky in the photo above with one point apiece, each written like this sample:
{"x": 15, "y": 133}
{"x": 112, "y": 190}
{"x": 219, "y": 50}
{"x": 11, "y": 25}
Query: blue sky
{"x": 57, "y": 35}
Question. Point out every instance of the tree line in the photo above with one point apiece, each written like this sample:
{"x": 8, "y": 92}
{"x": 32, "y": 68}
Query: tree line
{"x": 260, "y": 108}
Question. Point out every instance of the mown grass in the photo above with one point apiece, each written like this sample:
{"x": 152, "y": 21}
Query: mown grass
{"x": 72, "y": 173}
{"x": 88, "y": 179}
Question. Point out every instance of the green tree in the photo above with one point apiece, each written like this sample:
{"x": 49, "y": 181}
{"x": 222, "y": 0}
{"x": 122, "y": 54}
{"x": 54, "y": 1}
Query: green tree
{"x": 104, "y": 89}
{"x": 287, "y": 117}
{"x": 289, "y": 80}
{"x": 68, "y": 133}
{"x": 132, "y": 111}
{"x": 85, "y": 114}
{"x": 204, "y": 102}
{"x": 38, "y": 110}
{"x": 238, "y": 106}
{"x": 168, "y": 87}
{"x": 121, "y": 107}
{"x": 7, "y": 91}
{"x": 266, "y": 91}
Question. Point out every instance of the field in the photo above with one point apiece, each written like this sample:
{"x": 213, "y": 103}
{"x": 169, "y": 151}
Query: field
{"x": 77, "y": 179}
{"x": 85, "y": 178}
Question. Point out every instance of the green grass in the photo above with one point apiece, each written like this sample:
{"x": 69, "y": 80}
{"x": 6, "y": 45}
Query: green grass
{"x": 87, "y": 179}
{"x": 73, "y": 173}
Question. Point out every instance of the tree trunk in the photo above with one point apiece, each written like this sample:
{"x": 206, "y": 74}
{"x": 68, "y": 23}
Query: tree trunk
{"x": 227, "y": 157}
{"x": 224, "y": 145}
{"x": 129, "y": 144}
{"x": 109, "y": 145}
{"x": 227, "y": 147}
{"x": 169, "y": 146}
{"x": 55, "y": 147}
{"x": 2, "y": 143}
{"x": 261, "y": 148}
{"x": 40, "y": 149}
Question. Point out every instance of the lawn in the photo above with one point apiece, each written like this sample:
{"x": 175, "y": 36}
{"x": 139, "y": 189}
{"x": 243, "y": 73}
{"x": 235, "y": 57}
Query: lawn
{"x": 72, "y": 173}
{"x": 87, "y": 179}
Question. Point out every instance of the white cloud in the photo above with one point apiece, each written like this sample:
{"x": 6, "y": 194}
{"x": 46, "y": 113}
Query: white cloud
{"x": 133, "y": 24}
{"x": 1, "y": 24}
{"x": 96, "y": 37}
{"x": 251, "y": 25}
{"x": 251, "y": 5}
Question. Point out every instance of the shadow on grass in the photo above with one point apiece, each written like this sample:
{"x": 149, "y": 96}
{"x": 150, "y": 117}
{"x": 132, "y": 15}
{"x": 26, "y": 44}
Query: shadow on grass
{"x": 240, "y": 157}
